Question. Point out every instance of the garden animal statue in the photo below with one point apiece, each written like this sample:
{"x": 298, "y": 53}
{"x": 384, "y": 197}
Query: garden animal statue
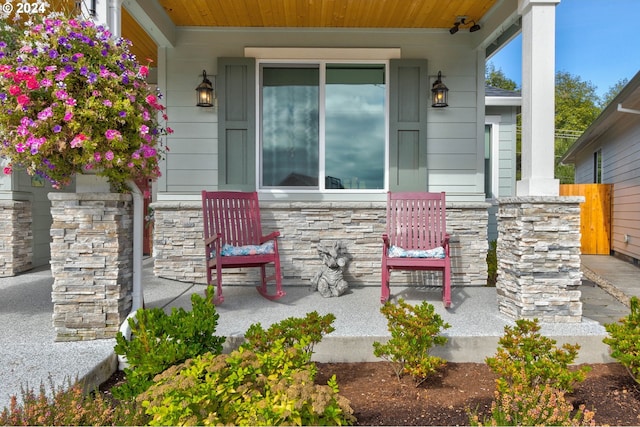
{"x": 329, "y": 280}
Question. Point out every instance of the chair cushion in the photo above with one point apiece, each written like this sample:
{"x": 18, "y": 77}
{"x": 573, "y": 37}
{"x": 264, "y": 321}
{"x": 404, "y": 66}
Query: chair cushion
{"x": 398, "y": 252}
{"x": 265, "y": 248}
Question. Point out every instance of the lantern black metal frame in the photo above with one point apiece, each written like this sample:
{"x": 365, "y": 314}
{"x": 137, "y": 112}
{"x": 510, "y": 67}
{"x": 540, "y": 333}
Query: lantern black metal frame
{"x": 205, "y": 92}
{"x": 439, "y": 93}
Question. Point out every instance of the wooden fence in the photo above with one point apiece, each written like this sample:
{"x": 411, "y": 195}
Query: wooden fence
{"x": 595, "y": 216}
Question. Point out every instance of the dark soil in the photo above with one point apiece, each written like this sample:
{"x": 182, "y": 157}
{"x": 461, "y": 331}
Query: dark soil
{"x": 379, "y": 398}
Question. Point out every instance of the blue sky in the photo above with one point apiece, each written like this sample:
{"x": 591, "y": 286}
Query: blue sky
{"x": 596, "y": 40}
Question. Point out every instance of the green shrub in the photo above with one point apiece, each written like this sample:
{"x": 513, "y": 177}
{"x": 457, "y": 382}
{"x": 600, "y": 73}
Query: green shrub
{"x": 310, "y": 328}
{"x": 159, "y": 341}
{"x": 524, "y": 349}
{"x": 538, "y": 406}
{"x": 624, "y": 340}
{"x": 492, "y": 263}
{"x": 245, "y": 388}
{"x": 69, "y": 407}
{"x": 533, "y": 377}
{"x": 414, "y": 330}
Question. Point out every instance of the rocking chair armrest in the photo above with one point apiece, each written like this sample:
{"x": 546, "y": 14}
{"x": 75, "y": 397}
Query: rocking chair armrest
{"x": 445, "y": 243}
{"x": 209, "y": 240}
{"x": 270, "y": 236}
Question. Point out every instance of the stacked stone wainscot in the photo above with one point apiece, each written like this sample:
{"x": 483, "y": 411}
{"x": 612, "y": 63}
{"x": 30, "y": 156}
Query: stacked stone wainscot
{"x": 16, "y": 237}
{"x": 179, "y": 251}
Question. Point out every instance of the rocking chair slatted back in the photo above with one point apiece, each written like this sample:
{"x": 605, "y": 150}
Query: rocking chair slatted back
{"x": 416, "y": 221}
{"x": 233, "y": 218}
{"x": 235, "y": 215}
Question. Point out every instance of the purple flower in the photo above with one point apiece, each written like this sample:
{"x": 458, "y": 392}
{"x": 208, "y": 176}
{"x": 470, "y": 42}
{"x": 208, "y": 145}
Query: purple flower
{"x": 56, "y": 129}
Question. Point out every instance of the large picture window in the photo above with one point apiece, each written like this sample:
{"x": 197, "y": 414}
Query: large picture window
{"x": 322, "y": 126}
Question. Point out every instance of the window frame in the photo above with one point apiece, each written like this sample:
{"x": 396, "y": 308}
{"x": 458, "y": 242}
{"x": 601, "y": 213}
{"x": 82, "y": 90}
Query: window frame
{"x": 320, "y": 57}
{"x": 494, "y": 151}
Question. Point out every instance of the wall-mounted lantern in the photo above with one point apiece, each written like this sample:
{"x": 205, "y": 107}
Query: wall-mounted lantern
{"x": 439, "y": 93}
{"x": 205, "y": 92}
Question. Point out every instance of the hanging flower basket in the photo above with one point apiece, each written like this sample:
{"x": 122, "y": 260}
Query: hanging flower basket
{"x": 73, "y": 99}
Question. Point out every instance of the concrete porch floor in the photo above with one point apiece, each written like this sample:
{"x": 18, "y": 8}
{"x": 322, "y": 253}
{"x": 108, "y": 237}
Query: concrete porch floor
{"x": 29, "y": 354}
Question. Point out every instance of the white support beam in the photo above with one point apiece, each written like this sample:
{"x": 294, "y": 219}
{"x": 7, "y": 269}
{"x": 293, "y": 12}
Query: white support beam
{"x": 154, "y": 20}
{"x": 538, "y": 98}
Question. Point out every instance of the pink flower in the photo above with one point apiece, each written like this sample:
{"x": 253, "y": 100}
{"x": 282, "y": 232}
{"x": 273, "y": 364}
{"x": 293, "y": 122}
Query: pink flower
{"x": 20, "y": 147}
{"x": 14, "y": 90}
{"x": 144, "y": 129}
{"x": 144, "y": 71}
{"x": 77, "y": 141}
{"x": 97, "y": 157}
{"x": 7, "y": 170}
{"x": 107, "y": 103}
{"x": 109, "y": 155}
{"x": 61, "y": 94}
{"x": 32, "y": 83}
{"x": 112, "y": 134}
{"x": 23, "y": 99}
{"x": 67, "y": 116}
{"x": 45, "y": 114}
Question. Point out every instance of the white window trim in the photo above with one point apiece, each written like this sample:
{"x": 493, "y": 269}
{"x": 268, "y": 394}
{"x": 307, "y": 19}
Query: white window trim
{"x": 320, "y": 56}
{"x": 494, "y": 122}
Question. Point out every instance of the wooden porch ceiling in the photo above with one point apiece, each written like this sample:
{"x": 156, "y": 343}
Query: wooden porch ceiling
{"x": 324, "y": 13}
{"x": 440, "y": 14}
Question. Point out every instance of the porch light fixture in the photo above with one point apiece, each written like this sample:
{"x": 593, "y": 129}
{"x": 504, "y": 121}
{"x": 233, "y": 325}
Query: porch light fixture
{"x": 439, "y": 93}
{"x": 204, "y": 92}
{"x": 462, "y": 21}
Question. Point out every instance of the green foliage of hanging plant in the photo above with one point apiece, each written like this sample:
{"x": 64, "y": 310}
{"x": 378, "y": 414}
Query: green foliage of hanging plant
{"x": 414, "y": 331}
{"x": 624, "y": 340}
{"x": 160, "y": 340}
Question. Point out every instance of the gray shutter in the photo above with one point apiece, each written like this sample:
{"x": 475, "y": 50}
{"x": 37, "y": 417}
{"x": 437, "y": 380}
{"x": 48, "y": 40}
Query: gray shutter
{"x": 236, "y": 124}
{"x": 409, "y": 99}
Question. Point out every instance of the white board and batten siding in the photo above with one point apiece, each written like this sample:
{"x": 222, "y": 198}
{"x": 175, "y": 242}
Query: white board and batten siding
{"x": 453, "y": 150}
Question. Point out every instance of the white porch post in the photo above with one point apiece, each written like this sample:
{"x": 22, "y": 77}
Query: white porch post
{"x": 538, "y": 98}
{"x": 107, "y": 13}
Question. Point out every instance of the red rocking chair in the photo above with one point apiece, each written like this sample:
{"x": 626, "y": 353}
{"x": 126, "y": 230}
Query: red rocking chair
{"x": 233, "y": 239}
{"x": 416, "y": 238}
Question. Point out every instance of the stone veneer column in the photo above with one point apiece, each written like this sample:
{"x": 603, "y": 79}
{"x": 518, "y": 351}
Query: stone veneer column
{"x": 16, "y": 237}
{"x": 539, "y": 258}
{"x": 91, "y": 262}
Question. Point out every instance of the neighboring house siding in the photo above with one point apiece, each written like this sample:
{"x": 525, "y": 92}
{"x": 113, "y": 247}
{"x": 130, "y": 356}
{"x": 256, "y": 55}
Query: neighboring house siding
{"x": 621, "y": 166}
{"x": 192, "y": 164}
{"x": 620, "y": 147}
